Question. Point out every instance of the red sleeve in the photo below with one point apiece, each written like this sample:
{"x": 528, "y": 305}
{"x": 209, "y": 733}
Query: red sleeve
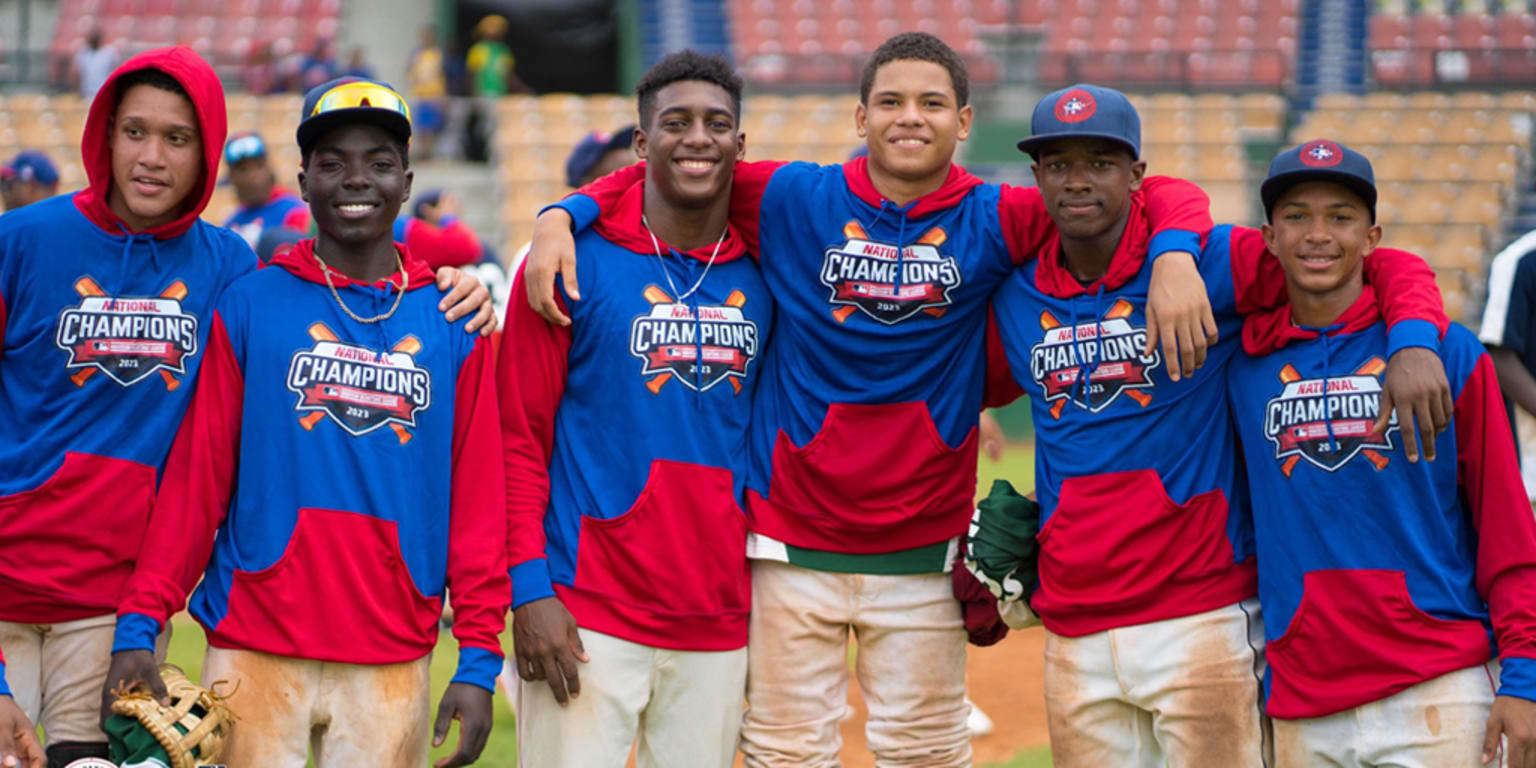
{"x": 1506, "y": 531}
{"x": 1001, "y": 389}
{"x": 477, "y": 574}
{"x": 452, "y": 246}
{"x": 195, "y": 488}
{"x": 1403, "y": 282}
{"x": 1169, "y": 203}
{"x": 531, "y": 371}
{"x": 747, "y": 187}
{"x": 1027, "y": 226}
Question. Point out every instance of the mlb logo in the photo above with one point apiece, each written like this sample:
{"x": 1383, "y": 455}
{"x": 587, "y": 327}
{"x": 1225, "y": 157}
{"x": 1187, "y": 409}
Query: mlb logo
{"x": 1321, "y": 154}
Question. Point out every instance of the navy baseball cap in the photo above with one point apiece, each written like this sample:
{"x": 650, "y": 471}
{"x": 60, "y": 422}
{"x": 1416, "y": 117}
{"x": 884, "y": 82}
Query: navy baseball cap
{"x": 1319, "y": 160}
{"x": 591, "y": 149}
{"x": 1084, "y": 111}
{"x": 30, "y": 165}
{"x": 353, "y": 100}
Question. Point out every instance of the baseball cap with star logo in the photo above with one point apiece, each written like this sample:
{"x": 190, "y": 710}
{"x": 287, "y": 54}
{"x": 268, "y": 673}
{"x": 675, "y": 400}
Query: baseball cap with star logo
{"x": 1319, "y": 160}
{"x": 1084, "y": 111}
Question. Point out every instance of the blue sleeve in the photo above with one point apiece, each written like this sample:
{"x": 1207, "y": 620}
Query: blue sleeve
{"x": 135, "y": 632}
{"x": 5, "y": 690}
{"x": 401, "y": 225}
{"x": 1215, "y": 262}
{"x": 583, "y": 210}
{"x": 1460, "y": 351}
{"x": 1412, "y": 333}
{"x": 478, "y": 666}
{"x": 530, "y": 582}
{"x": 1517, "y": 677}
{"x": 1173, "y": 240}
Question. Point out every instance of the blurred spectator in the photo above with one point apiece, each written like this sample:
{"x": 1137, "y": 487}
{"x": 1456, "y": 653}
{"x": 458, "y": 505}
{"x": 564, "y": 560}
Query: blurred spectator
{"x": 93, "y": 64}
{"x": 432, "y": 209}
{"x": 435, "y": 233}
{"x": 490, "y": 62}
{"x": 320, "y": 66}
{"x": 427, "y": 88}
{"x": 1509, "y": 332}
{"x": 275, "y": 238}
{"x": 599, "y": 154}
{"x": 263, "y": 203}
{"x": 358, "y": 66}
{"x": 287, "y": 63}
{"x": 260, "y": 72}
{"x": 28, "y": 178}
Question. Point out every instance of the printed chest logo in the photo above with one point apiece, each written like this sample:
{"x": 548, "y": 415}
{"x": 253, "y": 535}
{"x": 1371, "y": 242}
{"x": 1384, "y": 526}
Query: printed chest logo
{"x": 127, "y": 338}
{"x": 1111, "y": 352}
{"x": 868, "y": 275}
{"x": 701, "y": 353}
{"x": 359, "y": 388}
{"x": 1298, "y": 420}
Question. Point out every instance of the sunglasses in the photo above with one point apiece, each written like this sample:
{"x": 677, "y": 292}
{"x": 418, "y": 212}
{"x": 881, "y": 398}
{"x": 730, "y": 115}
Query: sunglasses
{"x": 244, "y": 148}
{"x": 353, "y": 95}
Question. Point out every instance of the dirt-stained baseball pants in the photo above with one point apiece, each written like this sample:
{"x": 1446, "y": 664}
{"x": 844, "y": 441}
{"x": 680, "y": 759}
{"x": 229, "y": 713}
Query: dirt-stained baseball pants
{"x": 911, "y": 667}
{"x": 682, "y": 707}
{"x": 56, "y": 671}
{"x": 1438, "y": 723}
{"x": 1182, "y": 692}
{"x": 349, "y": 714}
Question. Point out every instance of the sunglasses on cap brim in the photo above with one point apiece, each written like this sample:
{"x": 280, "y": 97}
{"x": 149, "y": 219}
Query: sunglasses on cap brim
{"x": 355, "y": 95}
{"x": 244, "y": 148}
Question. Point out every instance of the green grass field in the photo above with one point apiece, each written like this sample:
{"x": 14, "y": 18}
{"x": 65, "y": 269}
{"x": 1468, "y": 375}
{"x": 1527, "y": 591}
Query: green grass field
{"x": 188, "y": 643}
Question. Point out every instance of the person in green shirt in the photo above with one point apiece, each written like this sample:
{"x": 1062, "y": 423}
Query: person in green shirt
{"x": 490, "y": 61}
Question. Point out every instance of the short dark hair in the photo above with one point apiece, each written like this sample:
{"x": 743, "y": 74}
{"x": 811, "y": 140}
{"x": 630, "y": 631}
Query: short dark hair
{"x": 151, "y": 77}
{"x": 918, "y": 46}
{"x": 686, "y": 65}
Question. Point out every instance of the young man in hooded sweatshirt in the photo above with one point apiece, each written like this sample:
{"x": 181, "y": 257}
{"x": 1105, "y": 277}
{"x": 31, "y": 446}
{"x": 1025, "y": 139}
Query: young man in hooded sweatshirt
{"x": 626, "y": 439}
{"x": 104, "y": 307}
{"x": 339, "y": 467}
{"x": 1143, "y": 534}
{"x": 1398, "y": 596}
{"x": 862, "y": 445}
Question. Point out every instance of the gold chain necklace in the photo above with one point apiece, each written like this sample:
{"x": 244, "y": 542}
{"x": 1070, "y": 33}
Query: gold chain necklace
{"x": 405, "y": 282}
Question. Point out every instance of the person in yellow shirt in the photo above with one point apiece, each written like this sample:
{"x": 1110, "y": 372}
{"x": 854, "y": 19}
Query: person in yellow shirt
{"x": 427, "y": 85}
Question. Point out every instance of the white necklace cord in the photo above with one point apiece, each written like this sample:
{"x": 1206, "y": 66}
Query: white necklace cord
{"x": 657, "y": 245}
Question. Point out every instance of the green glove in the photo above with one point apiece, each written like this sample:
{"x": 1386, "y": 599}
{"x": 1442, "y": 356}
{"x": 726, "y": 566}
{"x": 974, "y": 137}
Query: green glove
{"x": 131, "y": 745}
{"x": 1001, "y": 550}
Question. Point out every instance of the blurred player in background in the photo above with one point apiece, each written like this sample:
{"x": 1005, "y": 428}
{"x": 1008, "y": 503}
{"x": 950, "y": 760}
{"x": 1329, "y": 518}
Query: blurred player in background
{"x": 28, "y": 178}
{"x": 437, "y": 233}
{"x": 630, "y": 582}
{"x": 1385, "y": 583}
{"x": 1509, "y": 330}
{"x": 264, "y": 204}
{"x": 427, "y": 87}
{"x": 344, "y": 444}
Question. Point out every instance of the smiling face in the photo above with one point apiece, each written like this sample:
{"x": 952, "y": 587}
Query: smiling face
{"x": 691, "y": 143}
{"x": 355, "y": 180}
{"x": 1086, "y": 184}
{"x": 157, "y": 156}
{"x": 912, "y": 121}
{"x": 1321, "y": 231}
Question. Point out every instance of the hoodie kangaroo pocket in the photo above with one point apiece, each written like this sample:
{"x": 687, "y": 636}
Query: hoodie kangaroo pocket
{"x": 1356, "y": 637}
{"x": 340, "y": 569}
{"x": 679, "y": 551}
{"x": 874, "y": 468}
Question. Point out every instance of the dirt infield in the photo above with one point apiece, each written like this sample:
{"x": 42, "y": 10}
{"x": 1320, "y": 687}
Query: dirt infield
{"x": 1004, "y": 680}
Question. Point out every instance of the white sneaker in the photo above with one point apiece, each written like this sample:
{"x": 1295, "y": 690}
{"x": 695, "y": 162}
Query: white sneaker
{"x": 978, "y": 722}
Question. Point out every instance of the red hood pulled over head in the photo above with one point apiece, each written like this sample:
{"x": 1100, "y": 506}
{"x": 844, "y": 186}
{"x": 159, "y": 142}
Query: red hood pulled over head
{"x": 202, "y": 84}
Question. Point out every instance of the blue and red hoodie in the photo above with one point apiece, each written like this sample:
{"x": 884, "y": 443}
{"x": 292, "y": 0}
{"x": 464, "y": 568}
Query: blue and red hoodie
{"x": 1140, "y": 520}
{"x": 449, "y": 243}
{"x": 104, "y": 330}
{"x": 1376, "y": 574}
{"x": 282, "y": 209}
{"x": 626, "y": 437}
{"x": 863, "y": 437}
{"x": 340, "y": 474}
